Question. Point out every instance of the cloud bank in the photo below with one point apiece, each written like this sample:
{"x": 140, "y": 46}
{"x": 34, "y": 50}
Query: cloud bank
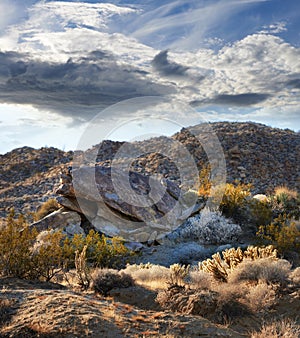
{"x": 75, "y": 59}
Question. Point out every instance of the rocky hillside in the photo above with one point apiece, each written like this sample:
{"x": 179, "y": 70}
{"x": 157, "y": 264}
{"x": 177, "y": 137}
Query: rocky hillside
{"x": 28, "y": 177}
{"x": 254, "y": 153}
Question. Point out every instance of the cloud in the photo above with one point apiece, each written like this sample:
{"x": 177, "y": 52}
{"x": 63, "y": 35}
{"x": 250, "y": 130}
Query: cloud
{"x": 174, "y": 25}
{"x": 295, "y": 83}
{"x": 274, "y": 28}
{"x": 167, "y": 68}
{"x": 93, "y": 81}
{"x": 240, "y": 99}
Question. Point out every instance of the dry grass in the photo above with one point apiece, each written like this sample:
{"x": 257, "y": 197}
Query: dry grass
{"x": 261, "y": 297}
{"x": 152, "y": 276}
{"x": 200, "y": 279}
{"x": 285, "y": 328}
{"x": 265, "y": 270}
{"x": 282, "y": 190}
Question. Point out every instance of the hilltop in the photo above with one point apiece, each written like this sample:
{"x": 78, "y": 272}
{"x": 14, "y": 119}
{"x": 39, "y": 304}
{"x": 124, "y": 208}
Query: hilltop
{"x": 254, "y": 153}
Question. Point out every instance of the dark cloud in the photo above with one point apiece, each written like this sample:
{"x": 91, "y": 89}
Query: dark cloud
{"x": 240, "y": 99}
{"x": 75, "y": 87}
{"x": 294, "y": 83}
{"x": 162, "y": 64}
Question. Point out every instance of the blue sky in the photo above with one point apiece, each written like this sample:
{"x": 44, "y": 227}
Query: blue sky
{"x": 64, "y": 62}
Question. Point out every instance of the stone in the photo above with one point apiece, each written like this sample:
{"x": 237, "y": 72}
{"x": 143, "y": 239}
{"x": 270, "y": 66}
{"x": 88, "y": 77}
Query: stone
{"x": 59, "y": 219}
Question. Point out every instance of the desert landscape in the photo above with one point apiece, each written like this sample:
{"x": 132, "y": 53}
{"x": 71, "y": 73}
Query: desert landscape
{"x": 229, "y": 272}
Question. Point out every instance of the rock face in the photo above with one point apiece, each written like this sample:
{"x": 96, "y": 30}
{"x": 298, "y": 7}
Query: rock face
{"x": 67, "y": 221}
{"x": 144, "y": 210}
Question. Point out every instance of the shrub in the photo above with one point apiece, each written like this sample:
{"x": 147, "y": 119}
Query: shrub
{"x": 205, "y": 183}
{"x": 200, "y": 279}
{"x": 215, "y": 306}
{"x": 48, "y": 256}
{"x": 261, "y": 297}
{"x": 283, "y": 233}
{"x": 266, "y": 270}
{"x": 104, "y": 280}
{"x": 234, "y": 198}
{"x": 148, "y": 272}
{"x": 285, "y": 202}
{"x": 46, "y": 208}
{"x": 5, "y": 310}
{"x": 285, "y": 328}
{"x": 179, "y": 299}
{"x": 295, "y": 276}
{"x": 178, "y": 273}
{"x": 220, "y": 267}
{"x": 25, "y": 253}
{"x": 16, "y": 241}
{"x": 209, "y": 227}
{"x": 259, "y": 211}
{"x": 101, "y": 251}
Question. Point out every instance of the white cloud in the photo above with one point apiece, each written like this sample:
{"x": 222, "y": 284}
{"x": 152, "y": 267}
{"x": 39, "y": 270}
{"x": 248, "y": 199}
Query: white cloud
{"x": 274, "y": 28}
{"x": 74, "y": 59}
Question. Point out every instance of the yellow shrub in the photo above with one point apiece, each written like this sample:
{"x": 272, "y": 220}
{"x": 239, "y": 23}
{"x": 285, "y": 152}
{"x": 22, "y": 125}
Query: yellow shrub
{"x": 16, "y": 241}
{"x": 205, "y": 183}
{"x": 282, "y": 233}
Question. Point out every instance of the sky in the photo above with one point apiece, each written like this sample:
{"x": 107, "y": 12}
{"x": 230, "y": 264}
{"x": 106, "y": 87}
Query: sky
{"x": 64, "y": 64}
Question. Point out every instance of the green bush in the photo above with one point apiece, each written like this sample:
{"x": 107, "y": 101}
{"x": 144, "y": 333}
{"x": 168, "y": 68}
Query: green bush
{"x": 101, "y": 251}
{"x": 282, "y": 233}
{"x": 285, "y": 202}
{"x": 25, "y": 253}
{"x": 16, "y": 241}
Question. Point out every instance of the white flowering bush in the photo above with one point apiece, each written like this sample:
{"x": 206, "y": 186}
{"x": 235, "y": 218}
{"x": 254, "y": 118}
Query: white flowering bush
{"x": 208, "y": 227}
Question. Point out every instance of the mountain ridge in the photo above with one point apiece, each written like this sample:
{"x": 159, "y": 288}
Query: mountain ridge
{"x": 264, "y": 156}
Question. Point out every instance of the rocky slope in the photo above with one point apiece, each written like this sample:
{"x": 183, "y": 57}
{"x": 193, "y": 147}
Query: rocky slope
{"x": 264, "y": 156}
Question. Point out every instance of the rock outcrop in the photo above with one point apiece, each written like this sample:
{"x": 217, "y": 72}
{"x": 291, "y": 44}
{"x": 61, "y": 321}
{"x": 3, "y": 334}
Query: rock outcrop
{"x": 144, "y": 210}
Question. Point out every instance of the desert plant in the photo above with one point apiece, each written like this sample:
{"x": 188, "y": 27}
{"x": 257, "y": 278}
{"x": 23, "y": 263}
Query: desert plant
{"x": 234, "y": 198}
{"x": 101, "y": 251}
{"x": 205, "y": 183}
{"x": 295, "y": 276}
{"x": 219, "y": 267}
{"x": 266, "y": 270}
{"x": 178, "y": 273}
{"x": 82, "y": 270}
{"x": 16, "y": 241}
{"x": 6, "y": 305}
{"x": 46, "y": 208}
{"x": 200, "y": 279}
{"x": 208, "y": 227}
{"x": 283, "y": 233}
{"x": 216, "y": 267}
{"x": 285, "y": 201}
{"x": 48, "y": 256}
{"x": 278, "y": 329}
{"x": 263, "y": 292}
{"x": 148, "y": 272}
{"x": 104, "y": 280}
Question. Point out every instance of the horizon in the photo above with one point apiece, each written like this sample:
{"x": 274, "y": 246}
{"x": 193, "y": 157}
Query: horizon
{"x": 114, "y": 139}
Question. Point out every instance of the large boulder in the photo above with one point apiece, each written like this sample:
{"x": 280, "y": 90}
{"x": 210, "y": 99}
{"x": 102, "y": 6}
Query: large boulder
{"x": 131, "y": 205}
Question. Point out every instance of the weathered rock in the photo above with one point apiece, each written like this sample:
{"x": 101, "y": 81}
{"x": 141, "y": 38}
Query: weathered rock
{"x": 135, "y": 207}
{"x": 60, "y": 219}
